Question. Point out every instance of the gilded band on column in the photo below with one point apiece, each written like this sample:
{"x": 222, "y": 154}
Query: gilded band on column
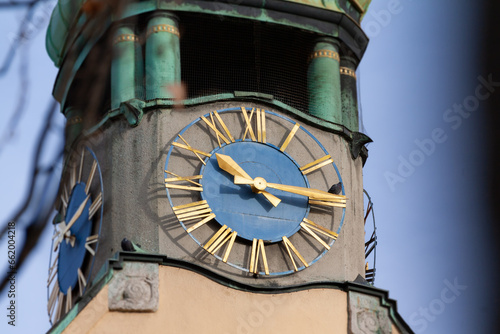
{"x": 348, "y": 71}
{"x": 163, "y": 28}
{"x": 325, "y": 54}
{"x": 126, "y": 38}
{"x": 74, "y": 120}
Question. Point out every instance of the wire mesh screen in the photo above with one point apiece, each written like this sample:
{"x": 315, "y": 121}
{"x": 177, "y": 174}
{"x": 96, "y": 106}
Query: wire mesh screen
{"x": 223, "y": 55}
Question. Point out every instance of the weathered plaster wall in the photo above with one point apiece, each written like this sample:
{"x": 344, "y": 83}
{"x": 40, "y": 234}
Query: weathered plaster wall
{"x": 136, "y": 205}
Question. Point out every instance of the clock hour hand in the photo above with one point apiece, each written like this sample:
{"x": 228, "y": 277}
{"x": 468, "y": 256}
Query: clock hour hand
{"x": 227, "y": 164}
{"x": 315, "y": 194}
{"x": 72, "y": 221}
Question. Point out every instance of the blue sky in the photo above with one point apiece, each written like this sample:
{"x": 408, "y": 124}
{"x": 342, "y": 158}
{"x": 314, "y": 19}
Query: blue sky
{"x": 16, "y": 162}
{"x": 422, "y": 61}
{"x": 419, "y": 65}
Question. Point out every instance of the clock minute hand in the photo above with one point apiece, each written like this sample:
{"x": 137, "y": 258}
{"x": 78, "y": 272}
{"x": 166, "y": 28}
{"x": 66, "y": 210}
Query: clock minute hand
{"x": 309, "y": 192}
{"x": 227, "y": 164}
{"x": 315, "y": 194}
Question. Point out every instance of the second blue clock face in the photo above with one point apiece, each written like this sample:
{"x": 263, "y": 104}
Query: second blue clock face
{"x": 76, "y": 231}
{"x": 245, "y": 211}
{"x": 72, "y": 254}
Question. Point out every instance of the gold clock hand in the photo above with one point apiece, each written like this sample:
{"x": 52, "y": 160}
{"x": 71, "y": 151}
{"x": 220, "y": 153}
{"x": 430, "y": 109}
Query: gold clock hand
{"x": 243, "y": 180}
{"x": 270, "y": 197}
{"x": 309, "y": 192}
{"x": 72, "y": 221}
{"x": 227, "y": 164}
{"x": 261, "y": 184}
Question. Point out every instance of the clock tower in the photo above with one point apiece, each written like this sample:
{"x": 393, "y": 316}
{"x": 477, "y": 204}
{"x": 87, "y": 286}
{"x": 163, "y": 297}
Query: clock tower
{"x": 213, "y": 174}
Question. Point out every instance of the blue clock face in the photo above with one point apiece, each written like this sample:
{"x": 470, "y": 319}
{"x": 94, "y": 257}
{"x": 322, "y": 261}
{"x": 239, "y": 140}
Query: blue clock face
{"x": 235, "y": 185}
{"x": 245, "y": 211}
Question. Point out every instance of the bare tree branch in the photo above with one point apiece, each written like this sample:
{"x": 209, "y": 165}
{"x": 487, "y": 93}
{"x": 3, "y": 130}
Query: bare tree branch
{"x": 19, "y": 38}
{"x": 38, "y": 221}
{"x": 16, "y": 116}
{"x": 36, "y": 210}
{"x": 14, "y": 4}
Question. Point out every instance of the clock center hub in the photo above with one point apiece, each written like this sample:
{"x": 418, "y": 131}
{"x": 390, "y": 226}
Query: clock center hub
{"x": 259, "y": 184}
{"x": 241, "y": 207}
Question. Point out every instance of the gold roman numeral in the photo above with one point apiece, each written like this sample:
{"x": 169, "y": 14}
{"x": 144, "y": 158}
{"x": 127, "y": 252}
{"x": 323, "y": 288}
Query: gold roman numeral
{"x": 53, "y": 270}
{"x": 81, "y": 167}
{"x": 212, "y": 125}
{"x": 95, "y": 205}
{"x": 229, "y": 246}
{"x": 55, "y": 311}
{"x": 54, "y": 303}
{"x": 201, "y": 222}
{"x": 261, "y": 124}
{"x": 338, "y": 202}
{"x": 291, "y": 248}
{"x": 248, "y": 121}
{"x": 258, "y": 249}
{"x": 311, "y": 167}
{"x": 64, "y": 199}
{"x": 89, "y": 241}
{"x": 290, "y": 136}
{"x": 72, "y": 177}
{"x": 189, "y": 148}
{"x": 82, "y": 282}
{"x": 192, "y": 211}
{"x": 189, "y": 179}
{"x": 52, "y": 299}
{"x": 91, "y": 176}
{"x": 311, "y": 228}
{"x": 68, "y": 300}
{"x": 220, "y": 238}
{"x": 59, "y": 306}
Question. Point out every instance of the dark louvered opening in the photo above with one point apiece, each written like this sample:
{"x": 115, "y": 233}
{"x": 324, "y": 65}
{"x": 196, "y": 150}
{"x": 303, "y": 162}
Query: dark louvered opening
{"x": 223, "y": 55}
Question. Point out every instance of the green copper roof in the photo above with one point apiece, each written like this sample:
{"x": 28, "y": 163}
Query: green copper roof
{"x": 63, "y": 18}
{"x": 337, "y": 5}
{"x": 68, "y": 16}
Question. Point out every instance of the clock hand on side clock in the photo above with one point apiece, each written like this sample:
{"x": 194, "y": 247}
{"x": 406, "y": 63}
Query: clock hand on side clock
{"x": 260, "y": 184}
{"x": 227, "y": 164}
{"x": 72, "y": 221}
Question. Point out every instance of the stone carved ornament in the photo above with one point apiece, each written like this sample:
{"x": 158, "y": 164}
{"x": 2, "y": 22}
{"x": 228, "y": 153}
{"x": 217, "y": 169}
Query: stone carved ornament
{"x": 134, "y": 288}
{"x": 367, "y": 316}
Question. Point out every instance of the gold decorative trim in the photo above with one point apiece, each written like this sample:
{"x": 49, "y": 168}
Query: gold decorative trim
{"x": 126, "y": 38}
{"x": 164, "y": 28}
{"x": 325, "y": 54}
{"x": 347, "y": 71}
{"x": 74, "y": 120}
